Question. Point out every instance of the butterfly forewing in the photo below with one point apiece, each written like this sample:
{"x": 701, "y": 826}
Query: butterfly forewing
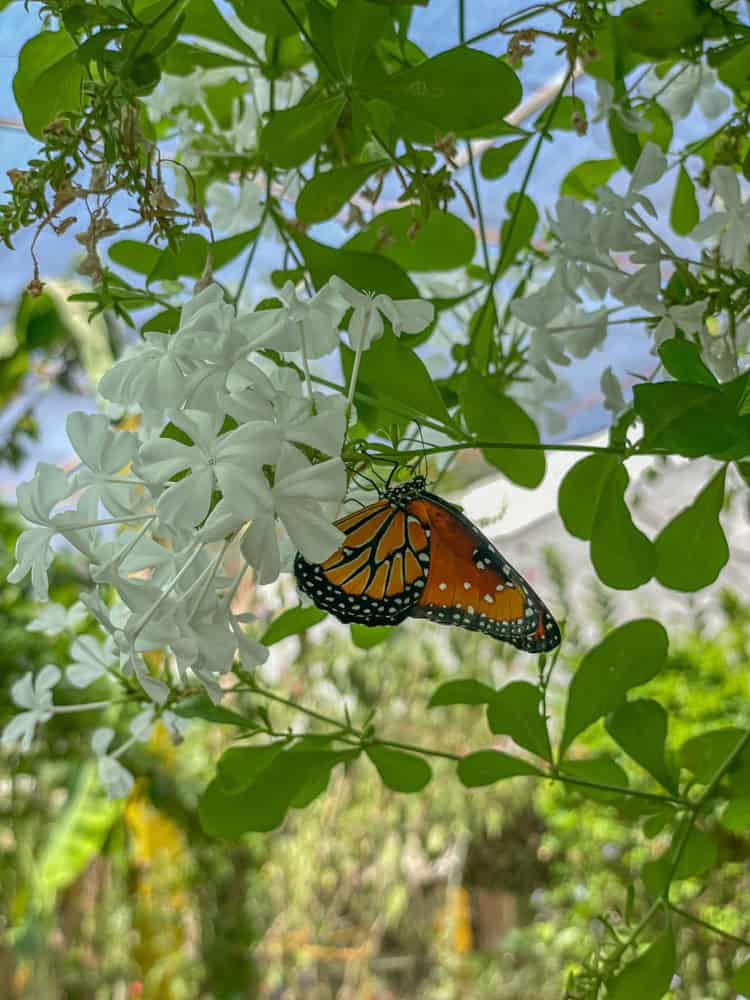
{"x": 378, "y": 573}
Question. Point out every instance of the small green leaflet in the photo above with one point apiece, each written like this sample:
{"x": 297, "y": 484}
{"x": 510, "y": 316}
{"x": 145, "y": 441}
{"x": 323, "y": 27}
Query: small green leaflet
{"x": 365, "y": 636}
{"x": 515, "y": 711}
{"x": 698, "y": 856}
{"x": 601, "y": 770}
{"x": 461, "y": 692}
{"x": 439, "y": 243}
{"x": 398, "y": 770}
{"x": 291, "y": 622}
{"x": 640, "y": 728}
{"x": 48, "y": 79}
{"x": 684, "y": 216}
{"x": 325, "y": 194}
{"x": 581, "y": 182}
{"x": 682, "y": 359}
{"x": 294, "y": 135}
{"x": 497, "y": 159}
{"x": 741, "y": 978}
{"x": 485, "y": 767}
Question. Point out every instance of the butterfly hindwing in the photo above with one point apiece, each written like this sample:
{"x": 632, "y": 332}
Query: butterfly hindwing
{"x": 471, "y": 585}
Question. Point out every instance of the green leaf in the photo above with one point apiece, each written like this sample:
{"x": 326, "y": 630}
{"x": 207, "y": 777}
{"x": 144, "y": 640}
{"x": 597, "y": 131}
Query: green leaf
{"x": 581, "y": 182}
{"x": 136, "y": 256}
{"x": 741, "y": 978}
{"x": 357, "y": 25}
{"x": 200, "y": 706}
{"x": 736, "y": 816}
{"x": 578, "y": 496}
{"x": 291, "y": 622}
{"x": 497, "y": 159}
{"x": 461, "y": 692}
{"x": 439, "y": 243}
{"x": 262, "y": 805}
{"x": 602, "y": 770}
{"x": 294, "y": 135}
{"x": 692, "y": 420}
{"x": 698, "y": 856}
{"x": 624, "y": 143}
{"x": 48, "y": 79}
{"x": 400, "y": 771}
{"x": 239, "y": 767}
{"x": 682, "y": 359}
{"x": 515, "y": 711}
{"x": 626, "y": 658}
{"x": 457, "y": 90}
{"x": 392, "y": 372}
{"x": 622, "y": 555}
{"x": 692, "y": 549}
{"x": 732, "y": 65}
{"x": 661, "y": 28}
{"x": 491, "y": 415}
{"x": 566, "y": 107}
{"x": 365, "y": 636}
{"x": 485, "y": 767}
{"x": 482, "y": 342}
{"x": 685, "y": 215}
{"x": 518, "y": 228}
{"x": 661, "y": 130}
{"x": 76, "y": 836}
{"x": 648, "y": 976}
{"x": 705, "y": 754}
{"x": 368, "y": 271}
{"x": 640, "y": 728}
{"x": 324, "y": 194}
{"x": 270, "y": 17}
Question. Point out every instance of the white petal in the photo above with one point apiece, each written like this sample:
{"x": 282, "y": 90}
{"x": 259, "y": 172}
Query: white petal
{"x": 406, "y": 315}
{"x": 260, "y": 547}
{"x": 314, "y": 536}
{"x": 22, "y": 691}
{"x": 651, "y": 165}
{"x": 186, "y": 503}
{"x": 39, "y": 495}
{"x": 46, "y": 679}
{"x": 116, "y": 779}
{"x": 20, "y": 728}
{"x": 726, "y": 185}
{"x": 365, "y": 326}
{"x": 101, "y": 739}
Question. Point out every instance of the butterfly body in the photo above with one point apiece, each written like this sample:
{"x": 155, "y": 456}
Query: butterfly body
{"x": 413, "y": 554}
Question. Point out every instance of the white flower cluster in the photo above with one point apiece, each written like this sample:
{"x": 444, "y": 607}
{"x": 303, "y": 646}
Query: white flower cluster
{"x": 232, "y": 455}
{"x": 612, "y": 256}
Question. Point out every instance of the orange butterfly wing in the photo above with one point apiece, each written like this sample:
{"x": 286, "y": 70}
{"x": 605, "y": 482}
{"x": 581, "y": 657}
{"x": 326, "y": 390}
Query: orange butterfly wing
{"x": 378, "y": 573}
{"x": 471, "y": 585}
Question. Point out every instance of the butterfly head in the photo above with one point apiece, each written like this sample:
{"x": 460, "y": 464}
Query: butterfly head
{"x": 406, "y": 491}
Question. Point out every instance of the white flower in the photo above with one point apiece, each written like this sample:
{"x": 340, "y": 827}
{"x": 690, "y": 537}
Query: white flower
{"x": 54, "y": 619}
{"x": 173, "y": 91}
{"x": 733, "y": 224}
{"x": 692, "y": 83}
{"x": 614, "y": 401}
{"x": 300, "y": 489}
{"x": 689, "y": 319}
{"x": 147, "y": 376}
{"x": 36, "y": 499}
{"x": 34, "y": 693}
{"x": 229, "y": 214}
{"x": 366, "y": 323}
{"x": 91, "y": 660}
{"x": 116, "y": 779}
{"x": 233, "y": 461}
{"x": 315, "y": 319}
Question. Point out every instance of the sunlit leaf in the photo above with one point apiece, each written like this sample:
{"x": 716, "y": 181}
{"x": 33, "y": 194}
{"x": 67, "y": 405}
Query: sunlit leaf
{"x": 295, "y": 134}
{"x": 648, "y": 976}
{"x": 439, "y": 243}
{"x": 365, "y": 637}
{"x": 582, "y": 181}
{"x": 48, "y": 79}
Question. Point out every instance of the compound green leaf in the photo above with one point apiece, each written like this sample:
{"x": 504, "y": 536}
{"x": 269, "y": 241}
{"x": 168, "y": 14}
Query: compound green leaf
{"x": 294, "y": 135}
{"x": 485, "y": 767}
{"x": 400, "y": 771}
{"x": 692, "y": 549}
{"x": 515, "y": 711}
{"x": 48, "y": 79}
{"x": 626, "y": 658}
{"x": 489, "y": 415}
{"x": 640, "y": 728}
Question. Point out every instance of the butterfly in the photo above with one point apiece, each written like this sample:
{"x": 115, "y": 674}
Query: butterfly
{"x": 412, "y": 554}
